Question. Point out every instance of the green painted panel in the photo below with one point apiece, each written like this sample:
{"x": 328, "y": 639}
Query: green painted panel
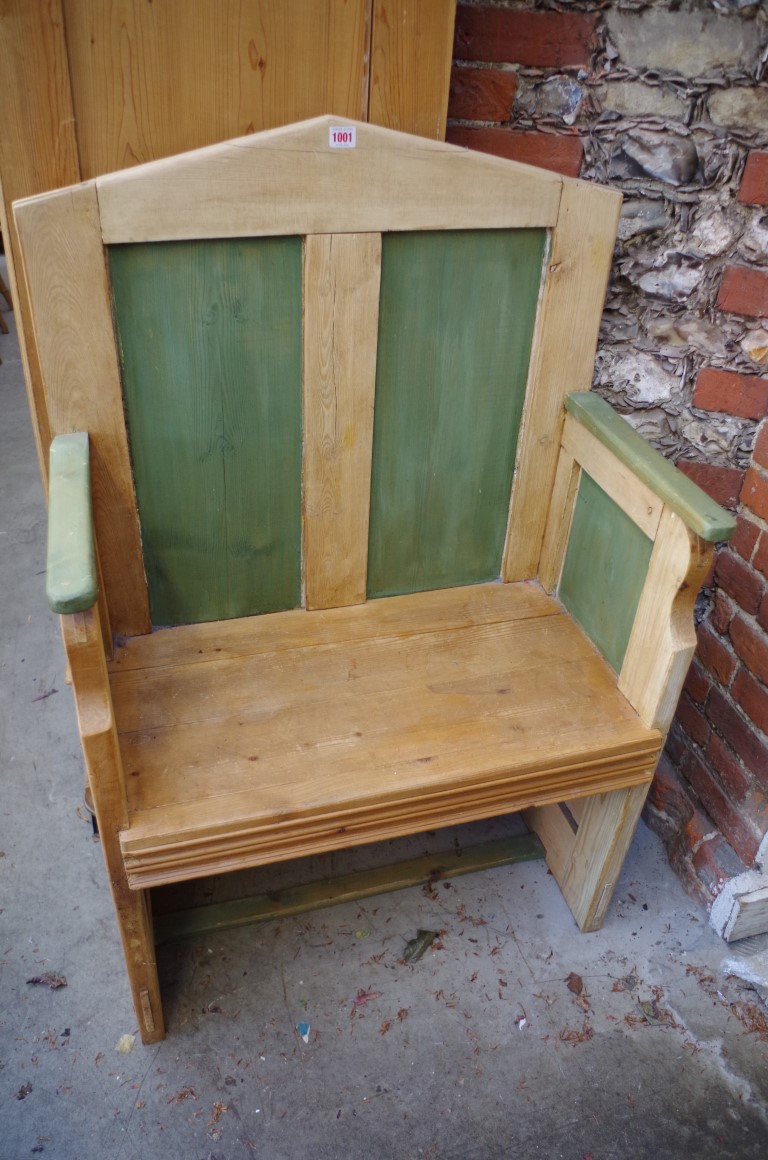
{"x": 455, "y": 327}
{"x": 694, "y": 506}
{"x": 604, "y": 571}
{"x": 210, "y": 344}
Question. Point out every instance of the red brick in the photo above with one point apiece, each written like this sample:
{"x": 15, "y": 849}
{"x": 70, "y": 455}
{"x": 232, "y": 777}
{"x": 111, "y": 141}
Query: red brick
{"x": 753, "y": 699}
{"x": 542, "y": 39}
{"x": 751, "y": 643}
{"x": 693, "y": 721}
{"x": 754, "y": 493}
{"x": 742, "y": 395}
{"x": 715, "y": 862}
{"x": 730, "y": 772}
{"x": 481, "y": 94}
{"x": 697, "y": 684}
{"x": 760, "y": 450}
{"x": 739, "y": 734}
{"x": 668, "y": 794}
{"x": 744, "y": 538}
{"x": 680, "y": 861}
{"x": 722, "y": 484}
{"x": 754, "y": 183}
{"x": 677, "y": 745}
{"x": 728, "y": 817}
{"x": 561, "y": 153}
{"x": 722, "y": 613}
{"x": 714, "y": 655}
{"x": 762, "y": 615}
{"x": 761, "y": 555}
{"x": 744, "y": 291}
{"x": 739, "y": 581}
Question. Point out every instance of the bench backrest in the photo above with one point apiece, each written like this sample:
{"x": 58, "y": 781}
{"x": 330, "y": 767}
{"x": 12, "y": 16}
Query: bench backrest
{"x": 311, "y": 374}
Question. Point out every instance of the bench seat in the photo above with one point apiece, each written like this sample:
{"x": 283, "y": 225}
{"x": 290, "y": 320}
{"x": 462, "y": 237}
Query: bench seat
{"x": 295, "y": 733}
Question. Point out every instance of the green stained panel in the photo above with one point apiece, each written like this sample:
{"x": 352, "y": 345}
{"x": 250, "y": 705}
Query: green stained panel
{"x": 604, "y": 571}
{"x": 210, "y": 344}
{"x": 455, "y": 328}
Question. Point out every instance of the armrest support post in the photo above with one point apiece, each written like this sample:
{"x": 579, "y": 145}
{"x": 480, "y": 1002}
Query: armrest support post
{"x": 72, "y": 584}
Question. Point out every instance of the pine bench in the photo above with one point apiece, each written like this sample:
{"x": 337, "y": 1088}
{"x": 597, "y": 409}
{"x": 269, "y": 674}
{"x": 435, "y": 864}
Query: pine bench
{"x": 343, "y": 546}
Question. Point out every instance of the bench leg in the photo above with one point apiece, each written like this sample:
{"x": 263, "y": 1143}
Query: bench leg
{"x": 134, "y": 918}
{"x": 133, "y": 908}
{"x": 586, "y": 842}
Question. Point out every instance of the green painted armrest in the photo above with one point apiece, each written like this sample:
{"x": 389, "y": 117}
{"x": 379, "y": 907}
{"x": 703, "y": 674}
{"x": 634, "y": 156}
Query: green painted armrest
{"x": 702, "y": 515}
{"x": 71, "y": 584}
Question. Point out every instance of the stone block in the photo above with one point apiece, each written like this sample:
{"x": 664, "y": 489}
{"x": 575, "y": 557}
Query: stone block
{"x": 635, "y": 99}
{"x": 684, "y": 42}
{"x": 760, "y": 450}
{"x": 742, "y": 108}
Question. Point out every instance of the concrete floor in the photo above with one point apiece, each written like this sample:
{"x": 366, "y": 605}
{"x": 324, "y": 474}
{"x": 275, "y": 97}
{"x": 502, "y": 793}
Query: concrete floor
{"x": 480, "y": 1050}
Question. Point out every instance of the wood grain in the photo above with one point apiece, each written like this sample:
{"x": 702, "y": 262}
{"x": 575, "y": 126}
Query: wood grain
{"x": 64, "y": 268}
{"x": 422, "y": 612}
{"x": 411, "y": 50}
{"x": 341, "y": 314}
{"x": 663, "y": 640}
{"x": 38, "y": 152}
{"x": 210, "y": 340}
{"x": 93, "y": 701}
{"x": 562, "y": 359}
{"x": 149, "y": 81}
{"x": 456, "y": 319}
{"x": 357, "y": 739}
{"x": 614, "y": 477}
{"x": 650, "y": 469}
{"x": 287, "y": 181}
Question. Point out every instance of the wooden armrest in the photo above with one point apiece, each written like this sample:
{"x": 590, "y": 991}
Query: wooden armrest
{"x": 71, "y": 584}
{"x": 700, "y": 513}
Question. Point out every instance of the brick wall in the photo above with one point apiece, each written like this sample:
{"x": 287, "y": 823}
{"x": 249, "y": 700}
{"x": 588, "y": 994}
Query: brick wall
{"x": 667, "y": 101}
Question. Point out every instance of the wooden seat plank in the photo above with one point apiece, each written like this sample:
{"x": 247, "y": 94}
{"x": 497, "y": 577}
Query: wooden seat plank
{"x": 237, "y": 760}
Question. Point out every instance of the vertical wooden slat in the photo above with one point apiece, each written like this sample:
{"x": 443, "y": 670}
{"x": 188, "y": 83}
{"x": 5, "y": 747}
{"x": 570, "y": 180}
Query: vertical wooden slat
{"x": 65, "y": 272}
{"x": 38, "y": 152}
{"x": 150, "y": 80}
{"x": 341, "y": 311}
{"x": 569, "y": 316}
{"x": 411, "y": 51}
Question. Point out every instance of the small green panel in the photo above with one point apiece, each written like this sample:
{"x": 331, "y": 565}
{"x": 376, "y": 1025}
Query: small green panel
{"x": 701, "y": 514}
{"x": 455, "y": 328}
{"x": 71, "y": 582}
{"x": 604, "y": 571}
{"x": 210, "y": 343}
